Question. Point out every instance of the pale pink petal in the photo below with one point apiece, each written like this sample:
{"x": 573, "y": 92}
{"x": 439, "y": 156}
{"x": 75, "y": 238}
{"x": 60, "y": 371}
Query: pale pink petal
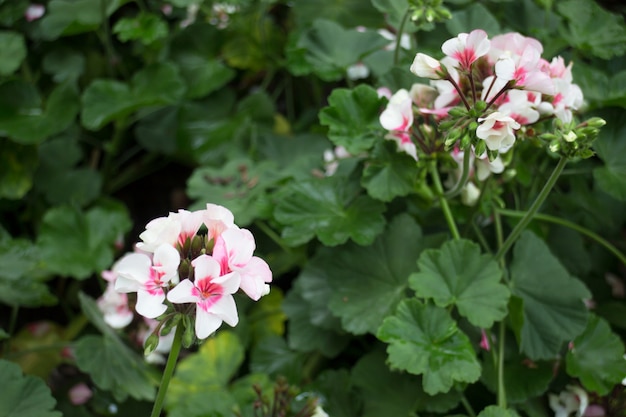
{"x": 182, "y": 293}
{"x": 206, "y": 323}
{"x": 254, "y": 278}
{"x": 80, "y": 394}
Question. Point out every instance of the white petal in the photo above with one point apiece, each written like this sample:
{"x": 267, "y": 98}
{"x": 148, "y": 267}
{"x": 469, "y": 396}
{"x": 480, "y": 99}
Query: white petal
{"x": 505, "y": 69}
{"x": 226, "y": 310}
{"x": 166, "y": 259}
{"x": 134, "y": 266}
{"x": 254, "y": 277}
{"x": 206, "y": 267}
{"x": 150, "y": 306}
{"x": 206, "y": 323}
{"x": 182, "y": 293}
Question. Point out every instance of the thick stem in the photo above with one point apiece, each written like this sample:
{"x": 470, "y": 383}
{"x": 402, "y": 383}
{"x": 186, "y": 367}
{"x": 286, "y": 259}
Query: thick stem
{"x": 519, "y": 228}
{"x": 443, "y": 202}
{"x": 169, "y": 371}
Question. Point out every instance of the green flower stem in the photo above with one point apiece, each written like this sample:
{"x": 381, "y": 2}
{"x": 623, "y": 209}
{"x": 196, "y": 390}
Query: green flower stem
{"x": 501, "y": 387}
{"x": 458, "y": 187}
{"x": 443, "y": 202}
{"x": 468, "y": 407}
{"x": 566, "y": 223}
{"x": 519, "y": 228}
{"x": 169, "y": 371}
{"x": 396, "y": 52}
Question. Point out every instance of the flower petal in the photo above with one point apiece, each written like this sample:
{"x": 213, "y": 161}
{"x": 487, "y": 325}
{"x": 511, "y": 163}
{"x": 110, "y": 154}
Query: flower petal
{"x": 206, "y": 323}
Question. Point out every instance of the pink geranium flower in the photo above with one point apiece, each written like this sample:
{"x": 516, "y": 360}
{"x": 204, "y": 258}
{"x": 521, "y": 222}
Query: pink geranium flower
{"x": 467, "y": 48}
{"x": 233, "y": 250}
{"x": 212, "y": 294}
{"x": 497, "y": 131}
{"x": 398, "y": 119}
{"x": 148, "y": 278}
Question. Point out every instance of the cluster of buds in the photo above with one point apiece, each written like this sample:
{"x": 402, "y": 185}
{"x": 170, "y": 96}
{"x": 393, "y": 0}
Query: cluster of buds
{"x": 481, "y": 95}
{"x": 186, "y": 268}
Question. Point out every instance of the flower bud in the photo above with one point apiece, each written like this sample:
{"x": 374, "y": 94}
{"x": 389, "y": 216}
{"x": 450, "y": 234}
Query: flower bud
{"x": 465, "y": 141}
{"x": 570, "y": 136}
{"x": 189, "y": 335}
{"x": 170, "y": 324}
{"x": 596, "y": 122}
{"x": 481, "y": 146}
{"x": 457, "y": 112}
{"x": 480, "y": 106}
{"x": 151, "y": 343}
{"x": 197, "y": 245}
{"x": 555, "y": 146}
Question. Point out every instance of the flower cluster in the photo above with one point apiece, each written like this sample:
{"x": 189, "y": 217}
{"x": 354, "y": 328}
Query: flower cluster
{"x": 500, "y": 85}
{"x": 186, "y": 262}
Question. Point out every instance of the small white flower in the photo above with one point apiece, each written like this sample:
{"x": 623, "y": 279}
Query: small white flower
{"x": 497, "y": 131}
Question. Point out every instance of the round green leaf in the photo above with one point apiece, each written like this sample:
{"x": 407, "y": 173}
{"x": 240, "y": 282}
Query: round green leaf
{"x": 424, "y": 340}
{"x": 597, "y": 357}
{"x": 352, "y": 118}
{"x": 553, "y": 309}
{"x": 64, "y": 64}
{"x": 331, "y": 49}
{"x": 114, "y": 367}
{"x": 368, "y": 282}
{"x": 17, "y": 167}
{"x": 77, "y": 244}
{"x": 330, "y": 209}
{"x": 146, "y": 28}
{"x": 24, "y": 396}
{"x": 12, "y": 51}
{"x": 458, "y": 274}
{"x": 389, "y": 173}
{"x": 496, "y": 411}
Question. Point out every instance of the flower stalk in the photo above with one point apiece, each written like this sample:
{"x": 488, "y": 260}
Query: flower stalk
{"x": 168, "y": 372}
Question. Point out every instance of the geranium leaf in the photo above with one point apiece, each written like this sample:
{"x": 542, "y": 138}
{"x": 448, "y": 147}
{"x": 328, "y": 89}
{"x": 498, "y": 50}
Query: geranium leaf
{"x": 472, "y": 17}
{"x": 349, "y": 13}
{"x": 331, "y": 49}
{"x": 17, "y": 167}
{"x": 330, "y": 209}
{"x": 394, "y": 11}
{"x": 104, "y": 101}
{"x": 496, "y": 411}
{"x": 22, "y": 117}
{"x": 69, "y": 17}
{"x": 524, "y": 379}
{"x": 304, "y": 335}
{"x": 77, "y": 244}
{"x": 424, "y": 340}
{"x": 12, "y": 51}
{"x": 22, "y": 275}
{"x": 389, "y": 173}
{"x": 23, "y": 395}
{"x": 272, "y": 356}
{"x": 611, "y": 148}
{"x": 597, "y": 357}
{"x": 240, "y": 185}
{"x": 386, "y": 392}
{"x": 368, "y": 282}
{"x": 340, "y": 395}
{"x": 553, "y": 308}
{"x": 209, "y": 370}
{"x": 583, "y": 32}
{"x": 458, "y": 274}
{"x": 145, "y": 27}
{"x": 352, "y": 118}
{"x": 114, "y": 367}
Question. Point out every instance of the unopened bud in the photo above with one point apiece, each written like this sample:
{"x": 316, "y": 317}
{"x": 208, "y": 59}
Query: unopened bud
{"x": 596, "y": 122}
{"x": 151, "y": 343}
{"x": 170, "y": 324}
{"x": 465, "y": 141}
{"x": 196, "y": 246}
{"x": 570, "y": 136}
{"x": 480, "y": 106}
{"x": 473, "y": 125}
{"x": 481, "y": 147}
{"x": 555, "y": 146}
{"x": 457, "y": 112}
{"x": 189, "y": 335}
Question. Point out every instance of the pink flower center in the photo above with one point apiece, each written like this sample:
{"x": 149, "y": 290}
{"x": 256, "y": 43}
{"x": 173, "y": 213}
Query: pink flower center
{"x": 154, "y": 285}
{"x": 465, "y": 57}
{"x": 208, "y": 292}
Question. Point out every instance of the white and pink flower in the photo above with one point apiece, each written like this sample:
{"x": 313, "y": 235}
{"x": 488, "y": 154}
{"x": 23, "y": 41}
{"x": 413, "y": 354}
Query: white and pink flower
{"x": 497, "y": 130}
{"x": 426, "y": 66}
{"x": 397, "y": 118}
{"x": 212, "y": 294}
{"x": 466, "y": 48}
{"x": 148, "y": 278}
